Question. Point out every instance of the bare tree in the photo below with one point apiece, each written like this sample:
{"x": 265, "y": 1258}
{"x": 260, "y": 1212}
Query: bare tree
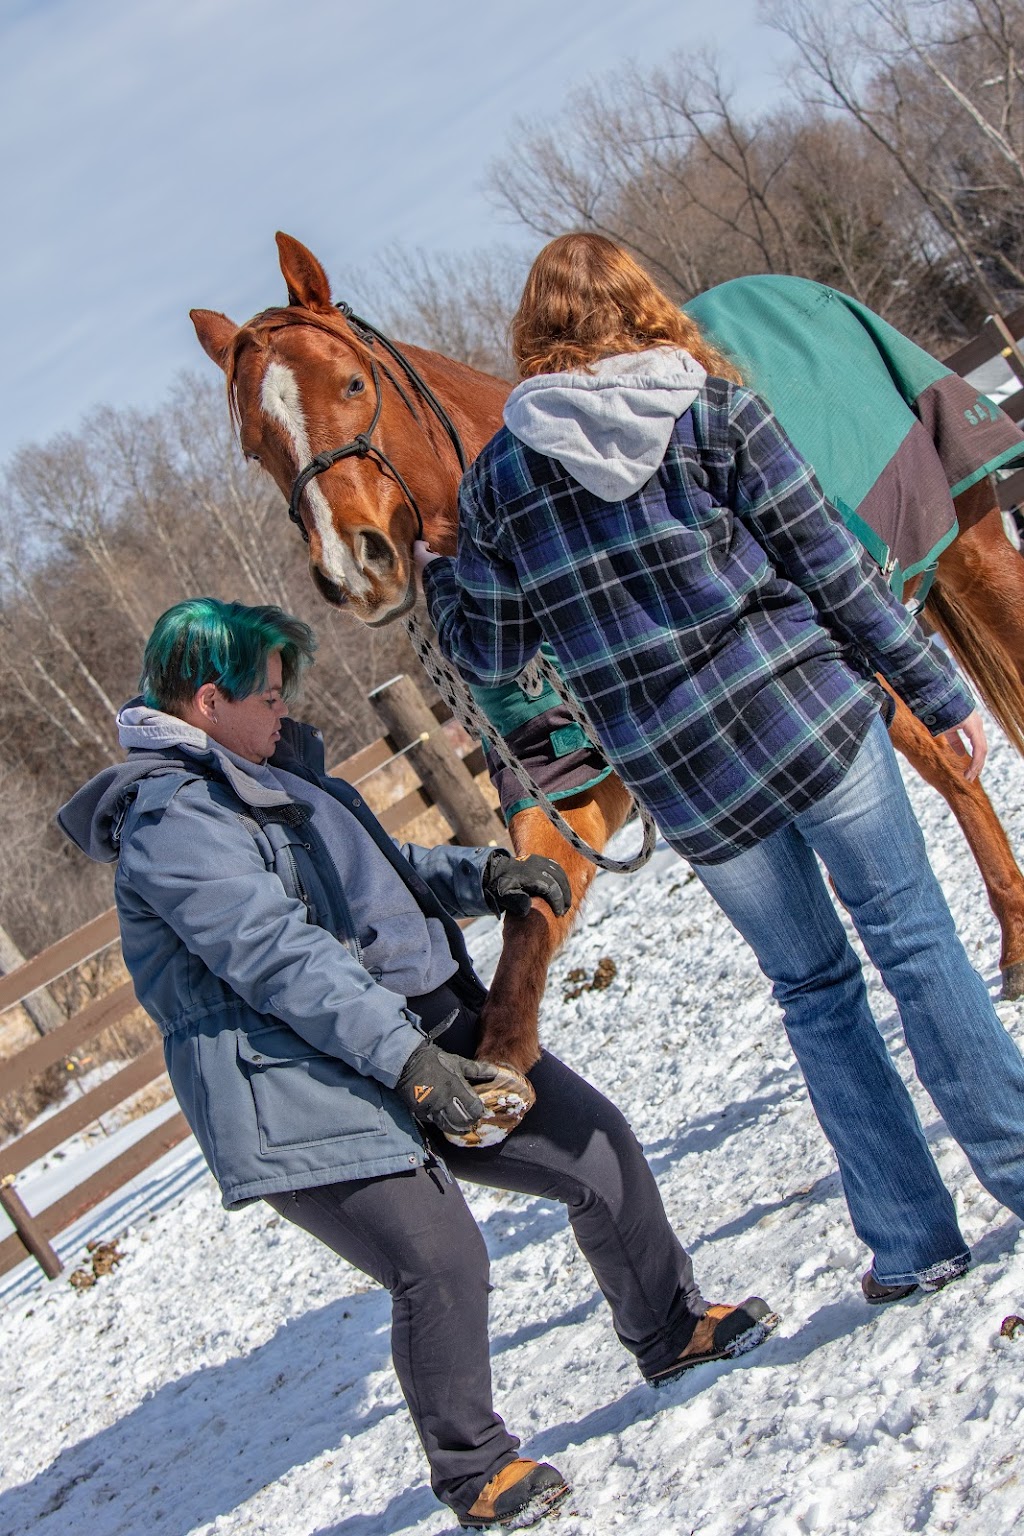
{"x": 458, "y": 305}
{"x": 938, "y": 86}
{"x": 665, "y": 163}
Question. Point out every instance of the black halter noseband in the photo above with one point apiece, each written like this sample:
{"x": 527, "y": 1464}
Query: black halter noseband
{"x": 362, "y": 446}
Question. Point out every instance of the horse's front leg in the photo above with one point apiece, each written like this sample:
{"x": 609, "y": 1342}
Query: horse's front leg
{"x": 509, "y": 1027}
{"x": 939, "y": 766}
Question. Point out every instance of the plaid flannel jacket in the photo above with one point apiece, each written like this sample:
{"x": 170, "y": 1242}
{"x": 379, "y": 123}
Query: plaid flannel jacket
{"x": 720, "y": 627}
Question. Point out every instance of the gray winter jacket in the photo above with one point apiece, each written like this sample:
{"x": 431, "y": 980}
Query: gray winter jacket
{"x": 281, "y": 1048}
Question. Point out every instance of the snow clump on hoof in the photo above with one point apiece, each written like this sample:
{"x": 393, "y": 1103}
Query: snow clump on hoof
{"x": 506, "y": 1099}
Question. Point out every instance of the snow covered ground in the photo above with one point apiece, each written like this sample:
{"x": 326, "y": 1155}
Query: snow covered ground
{"x": 230, "y": 1377}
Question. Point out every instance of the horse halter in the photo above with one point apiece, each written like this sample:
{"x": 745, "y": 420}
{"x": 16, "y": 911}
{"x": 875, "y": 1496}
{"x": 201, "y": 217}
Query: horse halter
{"x": 362, "y": 446}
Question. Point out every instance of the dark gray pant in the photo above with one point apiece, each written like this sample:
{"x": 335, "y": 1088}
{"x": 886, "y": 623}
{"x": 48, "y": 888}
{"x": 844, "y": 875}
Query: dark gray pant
{"x": 413, "y": 1233}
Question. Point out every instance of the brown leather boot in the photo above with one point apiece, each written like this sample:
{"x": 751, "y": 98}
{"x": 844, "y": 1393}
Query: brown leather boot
{"x": 523, "y": 1488}
{"x": 720, "y": 1334}
{"x": 878, "y": 1294}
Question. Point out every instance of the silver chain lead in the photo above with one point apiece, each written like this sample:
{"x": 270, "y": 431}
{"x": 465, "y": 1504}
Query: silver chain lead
{"x": 456, "y": 694}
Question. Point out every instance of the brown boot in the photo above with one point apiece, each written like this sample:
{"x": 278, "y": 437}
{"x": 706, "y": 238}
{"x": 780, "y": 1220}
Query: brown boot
{"x": 877, "y": 1294}
{"x": 720, "y": 1334}
{"x": 522, "y": 1488}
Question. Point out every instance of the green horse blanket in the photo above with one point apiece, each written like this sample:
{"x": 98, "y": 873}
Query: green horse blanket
{"x": 893, "y": 435}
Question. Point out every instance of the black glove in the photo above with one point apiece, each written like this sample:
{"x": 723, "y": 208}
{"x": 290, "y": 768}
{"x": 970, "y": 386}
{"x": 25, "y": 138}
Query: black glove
{"x": 509, "y": 883}
{"x": 436, "y": 1086}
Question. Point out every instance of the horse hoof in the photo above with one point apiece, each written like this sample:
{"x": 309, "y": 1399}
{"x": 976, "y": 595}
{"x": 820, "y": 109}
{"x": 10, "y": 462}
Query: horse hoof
{"x": 506, "y": 1101}
{"x": 1013, "y": 981}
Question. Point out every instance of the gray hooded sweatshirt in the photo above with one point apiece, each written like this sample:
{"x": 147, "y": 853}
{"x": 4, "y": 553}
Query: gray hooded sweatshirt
{"x": 610, "y": 427}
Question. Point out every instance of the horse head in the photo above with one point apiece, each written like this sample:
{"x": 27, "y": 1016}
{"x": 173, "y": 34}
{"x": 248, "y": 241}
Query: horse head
{"x": 303, "y": 382}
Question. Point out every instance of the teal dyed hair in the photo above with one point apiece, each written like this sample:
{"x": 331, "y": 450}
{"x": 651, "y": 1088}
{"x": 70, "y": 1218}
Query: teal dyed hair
{"x": 203, "y": 640}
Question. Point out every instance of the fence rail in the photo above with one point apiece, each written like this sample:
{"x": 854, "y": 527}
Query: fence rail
{"x": 415, "y": 730}
{"x": 50, "y": 964}
{"x": 1001, "y": 336}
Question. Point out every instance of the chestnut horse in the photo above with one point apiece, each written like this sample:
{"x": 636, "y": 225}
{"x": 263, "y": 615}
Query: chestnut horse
{"x": 301, "y": 382}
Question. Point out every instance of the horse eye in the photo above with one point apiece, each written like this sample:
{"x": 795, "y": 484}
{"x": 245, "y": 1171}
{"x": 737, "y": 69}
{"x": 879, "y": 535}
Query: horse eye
{"x": 356, "y": 387}
{"x": 252, "y": 458}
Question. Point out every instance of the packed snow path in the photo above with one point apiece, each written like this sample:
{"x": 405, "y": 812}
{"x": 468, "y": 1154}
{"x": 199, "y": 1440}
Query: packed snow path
{"x": 231, "y": 1377}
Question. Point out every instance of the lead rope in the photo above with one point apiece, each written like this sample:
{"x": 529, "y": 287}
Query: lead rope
{"x": 457, "y": 695}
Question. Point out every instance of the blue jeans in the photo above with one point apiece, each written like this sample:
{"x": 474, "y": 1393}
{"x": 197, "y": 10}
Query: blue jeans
{"x": 867, "y": 837}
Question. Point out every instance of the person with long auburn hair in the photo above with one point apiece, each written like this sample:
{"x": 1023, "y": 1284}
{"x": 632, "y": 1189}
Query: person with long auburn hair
{"x": 645, "y": 514}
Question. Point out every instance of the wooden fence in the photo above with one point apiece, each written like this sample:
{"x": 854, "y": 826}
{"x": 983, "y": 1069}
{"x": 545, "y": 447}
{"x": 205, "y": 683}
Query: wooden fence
{"x": 446, "y": 782}
{"x": 1000, "y": 336}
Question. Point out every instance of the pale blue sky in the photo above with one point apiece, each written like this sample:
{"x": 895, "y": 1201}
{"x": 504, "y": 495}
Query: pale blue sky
{"x": 150, "y": 149}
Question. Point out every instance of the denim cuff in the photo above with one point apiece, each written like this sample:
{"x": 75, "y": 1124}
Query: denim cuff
{"x": 932, "y": 1278}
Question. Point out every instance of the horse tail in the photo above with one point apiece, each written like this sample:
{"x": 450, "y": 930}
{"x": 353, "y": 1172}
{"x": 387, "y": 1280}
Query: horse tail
{"x": 983, "y": 656}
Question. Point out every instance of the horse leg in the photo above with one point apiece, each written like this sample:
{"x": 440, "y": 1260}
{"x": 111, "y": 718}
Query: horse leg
{"x": 509, "y": 1027}
{"x": 986, "y": 570}
{"x": 939, "y": 766}
{"x": 977, "y": 605}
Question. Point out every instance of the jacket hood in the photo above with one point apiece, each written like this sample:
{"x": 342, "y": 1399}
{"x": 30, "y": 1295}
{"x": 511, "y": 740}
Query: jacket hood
{"x": 159, "y": 744}
{"x": 608, "y": 428}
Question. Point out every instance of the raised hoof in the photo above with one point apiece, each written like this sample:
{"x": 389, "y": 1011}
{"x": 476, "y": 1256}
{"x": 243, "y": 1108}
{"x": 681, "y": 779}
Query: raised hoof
{"x": 1013, "y": 981}
{"x": 506, "y": 1100}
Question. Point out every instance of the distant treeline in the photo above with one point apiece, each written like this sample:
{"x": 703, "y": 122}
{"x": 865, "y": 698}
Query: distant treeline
{"x": 894, "y": 171}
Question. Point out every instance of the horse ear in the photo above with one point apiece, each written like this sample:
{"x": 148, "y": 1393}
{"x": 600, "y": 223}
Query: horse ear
{"x": 307, "y": 281}
{"x": 216, "y": 335}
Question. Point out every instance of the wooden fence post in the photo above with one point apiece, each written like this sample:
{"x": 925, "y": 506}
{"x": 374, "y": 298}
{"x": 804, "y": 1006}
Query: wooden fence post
{"x": 41, "y": 1008}
{"x": 28, "y": 1229}
{"x": 410, "y": 723}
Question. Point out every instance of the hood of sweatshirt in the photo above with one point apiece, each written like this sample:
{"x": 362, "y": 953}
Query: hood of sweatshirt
{"x": 92, "y": 817}
{"x": 608, "y": 428}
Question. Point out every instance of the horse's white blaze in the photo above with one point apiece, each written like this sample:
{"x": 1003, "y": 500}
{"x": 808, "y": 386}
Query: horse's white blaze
{"x": 282, "y": 403}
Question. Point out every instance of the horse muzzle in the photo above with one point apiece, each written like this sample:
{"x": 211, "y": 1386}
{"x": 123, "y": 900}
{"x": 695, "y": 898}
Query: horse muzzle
{"x": 374, "y": 608}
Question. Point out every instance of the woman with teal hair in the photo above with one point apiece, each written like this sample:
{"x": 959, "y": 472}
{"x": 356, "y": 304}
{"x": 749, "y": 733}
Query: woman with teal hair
{"x": 319, "y": 1012}
{"x": 203, "y": 638}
